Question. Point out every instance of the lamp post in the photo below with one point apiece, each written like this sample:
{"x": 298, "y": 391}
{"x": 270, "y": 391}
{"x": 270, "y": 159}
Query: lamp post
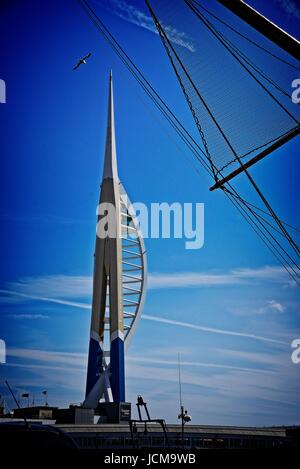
{"x": 45, "y": 394}
{"x": 26, "y": 396}
{"x": 185, "y": 418}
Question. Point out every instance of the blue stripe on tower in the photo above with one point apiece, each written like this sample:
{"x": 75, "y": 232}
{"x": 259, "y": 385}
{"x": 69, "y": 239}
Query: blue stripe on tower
{"x": 94, "y": 364}
{"x": 117, "y": 368}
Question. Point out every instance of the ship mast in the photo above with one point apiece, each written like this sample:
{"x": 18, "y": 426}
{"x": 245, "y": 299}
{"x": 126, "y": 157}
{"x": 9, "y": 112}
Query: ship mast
{"x": 264, "y": 26}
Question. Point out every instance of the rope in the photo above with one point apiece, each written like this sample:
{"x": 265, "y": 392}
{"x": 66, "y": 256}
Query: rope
{"x": 181, "y": 130}
{"x": 245, "y": 37}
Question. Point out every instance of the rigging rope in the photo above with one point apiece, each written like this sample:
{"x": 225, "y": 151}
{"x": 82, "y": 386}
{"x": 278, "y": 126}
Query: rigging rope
{"x": 189, "y": 141}
{"x": 259, "y": 46}
{"x": 169, "y": 48}
{"x": 254, "y": 184}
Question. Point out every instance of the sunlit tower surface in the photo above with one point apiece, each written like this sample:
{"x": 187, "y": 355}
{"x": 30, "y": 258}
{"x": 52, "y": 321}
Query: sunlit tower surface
{"x": 119, "y": 282}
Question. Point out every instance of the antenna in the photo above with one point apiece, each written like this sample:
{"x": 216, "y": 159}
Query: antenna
{"x": 179, "y": 378}
{"x": 46, "y": 397}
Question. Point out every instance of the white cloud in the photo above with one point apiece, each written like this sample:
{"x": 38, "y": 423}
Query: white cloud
{"x": 46, "y": 218}
{"x": 271, "y": 360}
{"x": 147, "y": 360}
{"x": 54, "y": 285}
{"x": 79, "y": 286}
{"x": 28, "y": 316}
{"x": 61, "y": 360}
{"x": 214, "y": 330}
{"x": 290, "y": 7}
{"x": 19, "y": 295}
{"x": 275, "y": 305}
{"x": 220, "y": 394}
{"x": 230, "y": 384}
{"x": 133, "y": 15}
{"x": 158, "y": 319}
{"x": 270, "y": 306}
{"x": 57, "y": 358}
{"x": 205, "y": 279}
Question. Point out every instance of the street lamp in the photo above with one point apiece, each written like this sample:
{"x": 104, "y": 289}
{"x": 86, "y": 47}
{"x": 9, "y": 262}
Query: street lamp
{"x": 46, "y": 395}
{"x": 25, "y": 395}
{"x": 185, "y": 418}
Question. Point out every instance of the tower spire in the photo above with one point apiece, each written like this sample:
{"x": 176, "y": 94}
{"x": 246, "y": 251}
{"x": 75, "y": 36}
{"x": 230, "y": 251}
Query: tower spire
{"x": 110, "y": 324}
{"x": 110, "y": 160}
{"x": 107, "y": 304}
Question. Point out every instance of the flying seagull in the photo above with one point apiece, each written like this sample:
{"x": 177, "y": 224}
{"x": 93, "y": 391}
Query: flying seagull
{"x": 82, "y": 61}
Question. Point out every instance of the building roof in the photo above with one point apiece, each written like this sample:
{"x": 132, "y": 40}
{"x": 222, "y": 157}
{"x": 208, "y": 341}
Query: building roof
{"x": 189, "y": 429}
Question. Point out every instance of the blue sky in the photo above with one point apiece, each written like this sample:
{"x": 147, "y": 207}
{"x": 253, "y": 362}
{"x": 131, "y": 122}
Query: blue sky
{"x": 228, "y": 308}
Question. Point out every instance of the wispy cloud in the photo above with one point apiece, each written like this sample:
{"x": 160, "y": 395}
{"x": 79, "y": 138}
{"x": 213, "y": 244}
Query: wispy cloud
{"x": 65, "y": 290}
{"x": 214, "y": 330}
{"x": 130, "y": 13}
{"x": 67, "y": 359}
{"x": 49, "y": 357}
{"x": 160, "y": 319}
{"x": 271, "y": 306}
{"x": 261, "y": 307}
{"x": 194, "y": 364}
{"x": 28, "y": 316}
{"x": 207, "y": 279}
{"x": 275, "y": 305}
{"x": 59, "y": 286}
{"x": 227, "y": 389}
{"x": 278, "y": 360}
{"x": 290, "y": 7}
{"x": 80, "y": 286}
{"x": 45, "y": 218}
{"x": 17, "y": 294}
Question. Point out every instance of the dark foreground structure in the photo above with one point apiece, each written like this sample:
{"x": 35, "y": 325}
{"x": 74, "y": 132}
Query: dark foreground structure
{"x": 110, "y": 436}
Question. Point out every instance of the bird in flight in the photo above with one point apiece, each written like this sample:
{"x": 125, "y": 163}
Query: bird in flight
{"x": 82, "y": 61}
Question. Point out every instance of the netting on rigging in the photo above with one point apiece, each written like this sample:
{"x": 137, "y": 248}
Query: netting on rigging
{"x": 237, "y": 82}
{"x": 263, "y": 220}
